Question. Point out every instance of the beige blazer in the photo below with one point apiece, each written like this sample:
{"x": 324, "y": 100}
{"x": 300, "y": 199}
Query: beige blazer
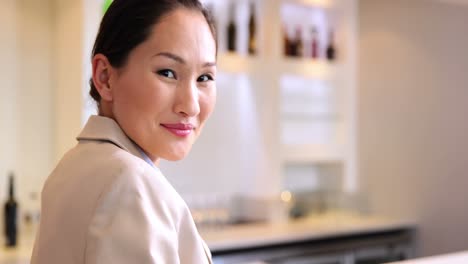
{"x": 104, "y": 204}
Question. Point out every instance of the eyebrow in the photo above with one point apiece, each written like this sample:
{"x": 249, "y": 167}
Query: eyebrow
{"x": 180, "y": 60}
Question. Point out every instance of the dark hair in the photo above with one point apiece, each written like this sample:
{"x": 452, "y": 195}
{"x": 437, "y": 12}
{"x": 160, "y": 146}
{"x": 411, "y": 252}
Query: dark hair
{"x": 128, "y": 23}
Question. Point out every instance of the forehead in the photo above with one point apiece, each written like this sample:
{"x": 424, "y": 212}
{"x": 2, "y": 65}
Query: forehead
{"x": 183, "y": 32}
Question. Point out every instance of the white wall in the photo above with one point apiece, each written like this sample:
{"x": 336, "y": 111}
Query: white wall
{"x": 75, "y": 27}
{"x": 68, "y": 73}
{"x": 413, "y": 107}
{"x": 34, "y": 94}
{"x": 25, "y": 68}
{"x": 8, "y": 98}
{"x": 45, "y": 48}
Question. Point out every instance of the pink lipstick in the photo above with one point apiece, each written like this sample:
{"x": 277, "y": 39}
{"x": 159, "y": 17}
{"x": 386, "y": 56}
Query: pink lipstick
{"x": 179, "y": 129}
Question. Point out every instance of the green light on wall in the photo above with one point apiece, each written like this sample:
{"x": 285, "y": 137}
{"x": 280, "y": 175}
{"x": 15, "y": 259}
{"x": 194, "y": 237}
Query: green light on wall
{"x": 106, "y": 5}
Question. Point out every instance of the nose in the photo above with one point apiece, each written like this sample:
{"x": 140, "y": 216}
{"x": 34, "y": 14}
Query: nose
{"x": 186, "y": 102}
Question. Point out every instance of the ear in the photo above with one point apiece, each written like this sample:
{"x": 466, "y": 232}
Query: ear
{"x": 102, "y": 71}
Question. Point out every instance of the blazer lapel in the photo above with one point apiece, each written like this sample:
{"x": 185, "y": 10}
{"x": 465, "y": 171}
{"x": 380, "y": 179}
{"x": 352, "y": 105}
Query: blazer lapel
{"x": 207, "y": 252}
{"x": 100, "y": 128}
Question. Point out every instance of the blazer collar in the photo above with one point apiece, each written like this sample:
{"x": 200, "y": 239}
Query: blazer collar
{"x": 100, "y": 128}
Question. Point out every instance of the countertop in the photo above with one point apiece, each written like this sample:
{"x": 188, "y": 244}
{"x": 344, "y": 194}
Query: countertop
{"x": 250, "y": 235}
{"x": 313, "y": 227}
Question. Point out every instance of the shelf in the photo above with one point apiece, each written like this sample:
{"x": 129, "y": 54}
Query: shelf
{"x": 308, "y": 68}
{"x": 312, "y": 154}
{"x": 238, "y": 64}
{"x": 313, "y": 3}
{"x": 317, "y": 117}
{"x": 308, "y": 102}
{"x": 304, "y": 67}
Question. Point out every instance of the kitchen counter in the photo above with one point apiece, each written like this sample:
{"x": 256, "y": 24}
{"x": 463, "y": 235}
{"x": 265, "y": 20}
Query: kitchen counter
{"x": 455, "y": 258}
{"x": 327, "y": 238}
{"x": 313, "y": 227}
{"x": 247, "y": 236}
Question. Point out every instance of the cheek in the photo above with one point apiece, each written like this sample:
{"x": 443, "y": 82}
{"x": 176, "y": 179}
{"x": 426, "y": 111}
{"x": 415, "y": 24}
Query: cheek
{"x": 127, "y": 91}
{"x": 124, "y": 100}
{"x": 207, "y": 103}
{"x": 137, "y": 93}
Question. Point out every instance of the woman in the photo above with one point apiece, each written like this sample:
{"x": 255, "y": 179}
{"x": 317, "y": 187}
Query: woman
{"x": 153, "y": 79}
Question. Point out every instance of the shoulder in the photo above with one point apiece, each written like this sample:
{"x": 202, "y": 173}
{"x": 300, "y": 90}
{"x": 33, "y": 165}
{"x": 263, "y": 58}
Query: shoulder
{"x": 136, "y": 211}
{"x": 95, "y": 170}
{"x": 126, "y": 176}
{"x": 95, "y": 165}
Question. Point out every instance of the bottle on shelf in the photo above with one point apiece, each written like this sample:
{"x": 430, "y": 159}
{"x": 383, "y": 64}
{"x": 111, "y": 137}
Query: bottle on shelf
{"x": 231, "y": 30}
{"x": 331, "y": 51}
{"x": 11, "y": 214}
{"x": 252, "y": 30}
{"x": 297, "y": 48}
{"x": 314, "y": 43}
{"x": 286, "y": 42}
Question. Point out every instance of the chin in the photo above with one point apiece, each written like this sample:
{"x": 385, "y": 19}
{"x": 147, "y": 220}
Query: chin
{"x": 174, "y": 158}
{"x": 176, "y": 155}
{"x": 176, "y": 151}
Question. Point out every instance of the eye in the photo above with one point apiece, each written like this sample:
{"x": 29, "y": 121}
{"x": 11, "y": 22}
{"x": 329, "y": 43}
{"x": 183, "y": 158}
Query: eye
{"x": 167, "y": 73}
{"x": 205, "y": 78}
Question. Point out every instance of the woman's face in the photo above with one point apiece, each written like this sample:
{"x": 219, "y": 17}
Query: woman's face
{"x": 166, "y": 91}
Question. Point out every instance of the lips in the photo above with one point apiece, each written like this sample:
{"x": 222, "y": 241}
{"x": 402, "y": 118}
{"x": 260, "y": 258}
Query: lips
{"x": 179, "y": 129}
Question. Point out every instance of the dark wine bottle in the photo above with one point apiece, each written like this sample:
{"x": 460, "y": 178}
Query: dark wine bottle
{"x": 293, "y": 46}
{"x": 286, "y": 42}
{"x": 298, "y": 46}
{"x": 314, "y": 44}
{"x": 11, "y": 215}
{"x": 331, "y": 52}
{"x": 231, "y": 30}
{"x": 252, "y": 30}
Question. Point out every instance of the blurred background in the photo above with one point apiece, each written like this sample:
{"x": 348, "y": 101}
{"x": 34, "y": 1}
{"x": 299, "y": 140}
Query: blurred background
{"x": 324, "y": 106}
